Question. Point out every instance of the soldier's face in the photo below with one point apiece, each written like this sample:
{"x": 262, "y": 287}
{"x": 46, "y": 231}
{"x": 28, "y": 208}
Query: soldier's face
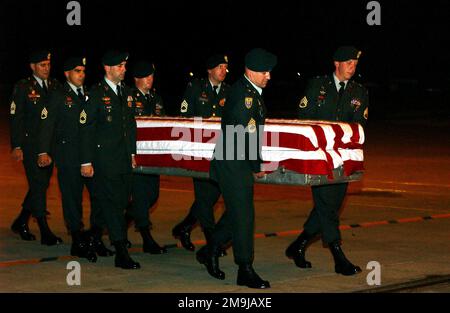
{"x": 260, "y": 79}
{"x": 41, "y": 69}
{"x": 116, "y": 73}
{"x": 345, "y": 70}
{"x": 218, "y": 74}
{"x": 76, "y": 76}
{"x": 145, "y": 83}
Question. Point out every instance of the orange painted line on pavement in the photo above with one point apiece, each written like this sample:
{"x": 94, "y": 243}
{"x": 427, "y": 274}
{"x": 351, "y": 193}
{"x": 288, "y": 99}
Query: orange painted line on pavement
{"x": 259, "y": 235}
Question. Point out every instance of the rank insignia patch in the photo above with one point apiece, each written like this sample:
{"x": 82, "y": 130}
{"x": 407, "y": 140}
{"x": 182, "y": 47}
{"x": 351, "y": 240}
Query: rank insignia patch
{"x": 184, "y": 106}
{"x": 303, "y": 103}
{"x": 251, "y": 126}
{"x": 13, "y": 108}
{"x": 44, "y": 114}
{"x": 248, "y": 102}
{"x": 83, "y": 117}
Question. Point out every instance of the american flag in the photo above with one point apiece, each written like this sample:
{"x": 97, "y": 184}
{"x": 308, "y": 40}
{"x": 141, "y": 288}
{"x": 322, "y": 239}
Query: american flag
{"x": 306, "y": 147}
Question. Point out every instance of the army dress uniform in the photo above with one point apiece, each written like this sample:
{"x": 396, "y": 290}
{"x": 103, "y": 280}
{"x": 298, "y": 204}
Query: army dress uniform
{"x": 108, "y": 139}
{"x": 60, "y": 134}
{"x": 145, "y": 191}
{"x": 326, "y": 98}
{"x": 202, "y": 100}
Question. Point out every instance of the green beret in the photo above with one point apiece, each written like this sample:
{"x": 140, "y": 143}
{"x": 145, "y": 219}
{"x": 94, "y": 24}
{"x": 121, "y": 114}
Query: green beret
{"x": 346, "y": 53}
{"x": 143, "y": 69}
{"x": 73, "y": 62}
{"x": 114, "y": 57}
{"x": 39, "y": 56}
{"x": 215, "y": 60}
{"x": 260, "y": 60}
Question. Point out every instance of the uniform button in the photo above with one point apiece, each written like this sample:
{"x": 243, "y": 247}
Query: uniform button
{"x": 63, "y": 141}
{"x": 98, "y": 146}
{"x": 214, "y": 106}
{"x": 214, "y": 114}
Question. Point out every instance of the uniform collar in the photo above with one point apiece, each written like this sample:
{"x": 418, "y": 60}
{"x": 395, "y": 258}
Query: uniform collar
{"x": 258, "y": 89}
{"x": 74, "y": 88}
{"x": 212, "y": 86}
{"x": 39, "y": 80}
{"x": 112, "y": 85}
{"x": 337, "y": 81}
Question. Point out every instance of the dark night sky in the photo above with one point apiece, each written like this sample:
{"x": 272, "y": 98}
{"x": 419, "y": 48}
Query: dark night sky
{"x": 411, "y": 43}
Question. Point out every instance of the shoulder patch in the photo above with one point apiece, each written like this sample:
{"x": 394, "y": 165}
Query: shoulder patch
{"x": 248, "y": 102}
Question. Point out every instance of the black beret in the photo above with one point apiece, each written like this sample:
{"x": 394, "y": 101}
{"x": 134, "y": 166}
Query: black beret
{"x": 260, "y": 60}
{"x": 215, "y": 60}
{"x": 345, "y": 53}
{"x": 143, "y": 69}
{"x": 73, "y": 62}
{"x": 39, "y": 56}
{"x": 114, "y": 57}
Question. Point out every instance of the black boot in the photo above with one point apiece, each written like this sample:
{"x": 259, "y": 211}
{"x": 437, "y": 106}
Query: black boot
{"x": 47, "y": 236}
{"x": 20, "y": 226}
{"x": 297, "y": 249}
{"x": 207, "y": 256}
{"x": 342, "y": 264}
{"x": 96, "y": 238}
{"x": 208, "y": 233}
{"x": 82, "y": 246}
{"x": 149, "y": 244}
{"x": 182, "y": 231}
{"x": 248, "y": 277}
{"x": 123, "y": 259}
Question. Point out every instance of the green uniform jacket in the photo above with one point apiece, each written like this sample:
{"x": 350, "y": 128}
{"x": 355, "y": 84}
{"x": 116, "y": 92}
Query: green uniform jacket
{"x": 200, "y": 100}
{"x": 145, "y": 106}
{"x": 245, "y": 108}
{"x": 59, "y": 132}
{"x": 320, "y": 101}
{"x": 28, "y": 108}
{"x": 108, "y": 131}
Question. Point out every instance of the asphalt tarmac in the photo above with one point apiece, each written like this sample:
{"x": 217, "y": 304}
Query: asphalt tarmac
{"x": 397, "y": 216}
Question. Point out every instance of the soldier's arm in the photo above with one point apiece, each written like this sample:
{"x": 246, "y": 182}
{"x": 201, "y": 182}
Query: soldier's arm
{"x": 17, "y": 115}
{"x": 88, "y": 122}
{"x": 159, "y": 106}
{"x": 47, "y": 125}
{"x": 188, "y": 102}
{"x": 306, "y": 105}
{"x": 362, "y": 114}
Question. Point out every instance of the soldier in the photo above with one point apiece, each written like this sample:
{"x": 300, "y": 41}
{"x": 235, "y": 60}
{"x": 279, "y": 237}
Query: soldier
{"x": 235, "y": 170}
{"x": 60, "y": 130}
{"x": 28, "y": 108}
{"x": 108, "y": 146}
{"x": 204, "y": 98}
{"x": 145, "y": 187}
{"x": 333, "y": 97}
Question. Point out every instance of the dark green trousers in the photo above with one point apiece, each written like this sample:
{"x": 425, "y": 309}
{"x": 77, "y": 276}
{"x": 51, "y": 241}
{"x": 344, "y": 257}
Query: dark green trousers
{"x": 145, "y": 193}
{"x": 71, "y": 185}
{"x": 113, "y": 193}
{"x": 38, "y": 179}
{"x": 207, "y": 192}
{"x": 324, "y": 217}
{"x": 235, "y": 180}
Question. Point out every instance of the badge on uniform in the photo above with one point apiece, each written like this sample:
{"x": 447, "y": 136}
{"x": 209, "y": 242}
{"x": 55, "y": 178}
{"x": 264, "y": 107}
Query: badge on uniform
{"x": 69, "y": 101}
{"x": 106, "y": 100}
{"x": 303, "y": 103}
{"x": 366, "y": 113}
{"x": 83, "y": 117}
{"x": 13, "y": 108}
{"x": 222, "y": 102}
{"x": 248, "y": 102}
{"x": 130, "y": 98}
{"x": 251, "y": 126}
{"x": 109, "y": 118}
{"x": 44, "y": 114}
{"x": 356, "y": 103}
{"x": 139, "y": 105}
{"x": 184, "y": 106}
